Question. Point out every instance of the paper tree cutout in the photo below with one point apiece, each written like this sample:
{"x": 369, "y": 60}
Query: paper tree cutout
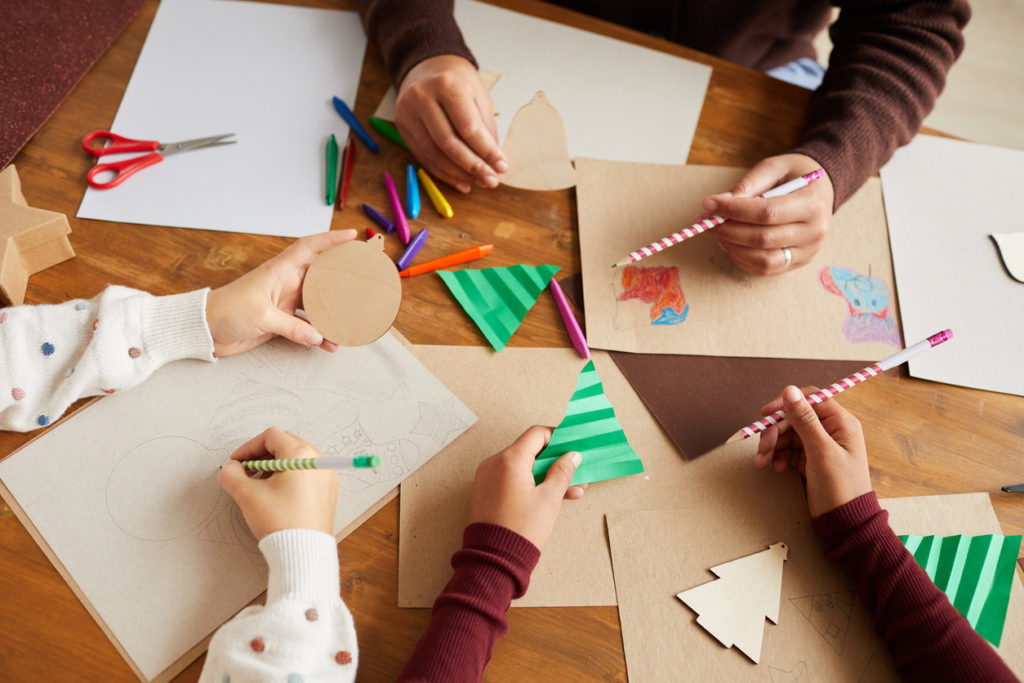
{"x": 975, "y": 573}
{"x": 537, "y": 150}
{"x": 590, "y": 427}
{"x": 31, "y": 239}
{"x": 497, "y": 299}
{"x": 829, "y": 614}
{"x": 1011, "y": 249}
{"x": 733, "y": 607}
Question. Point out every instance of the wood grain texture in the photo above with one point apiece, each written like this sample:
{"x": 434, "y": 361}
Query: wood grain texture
{"x": 923, "y": 438}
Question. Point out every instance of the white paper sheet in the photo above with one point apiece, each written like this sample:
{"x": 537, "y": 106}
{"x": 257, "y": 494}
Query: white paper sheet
{"x": 619, "y": 101}
{"x": 125, "y": 492}
{"x": 263, "y": 72}
{"x": 943, "y": 198}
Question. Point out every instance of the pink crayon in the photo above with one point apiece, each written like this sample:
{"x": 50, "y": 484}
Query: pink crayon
{"x": 842, "y": 385}
{"x": 708, "y": 223}
{"x": 401, "y": 225}
{"x": 579, "y": 342}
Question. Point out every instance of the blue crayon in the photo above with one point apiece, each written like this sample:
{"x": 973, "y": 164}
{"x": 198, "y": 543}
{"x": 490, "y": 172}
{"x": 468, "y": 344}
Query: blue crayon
{"x": 353, "y": 122}
{"x": 412, "y": 192}
{"x": 415, "y": 244}
{"x": 375, "y": 216}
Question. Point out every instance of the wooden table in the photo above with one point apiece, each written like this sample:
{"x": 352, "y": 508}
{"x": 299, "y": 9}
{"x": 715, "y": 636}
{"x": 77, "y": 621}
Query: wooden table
{"x": 923, "y": 438}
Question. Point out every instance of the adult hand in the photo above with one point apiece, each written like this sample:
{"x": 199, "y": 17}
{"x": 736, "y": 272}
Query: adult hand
{"x": 444, "y": 113}
{"x": 825, "y": 443}
{"x": 261, "y": 304}
{"x": 298, "y": 499}
{"x": 760, "y": 229}
{"x": 504, "y": 492}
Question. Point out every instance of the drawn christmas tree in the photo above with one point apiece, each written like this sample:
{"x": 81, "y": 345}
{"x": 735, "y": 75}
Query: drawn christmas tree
{"x": 829, "y": 614}
{"x": 497, "y": 299}
{"x": 733, "y": 607}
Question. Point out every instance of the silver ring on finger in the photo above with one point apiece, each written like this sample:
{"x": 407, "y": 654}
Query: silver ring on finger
{"x": 788, "y": 255}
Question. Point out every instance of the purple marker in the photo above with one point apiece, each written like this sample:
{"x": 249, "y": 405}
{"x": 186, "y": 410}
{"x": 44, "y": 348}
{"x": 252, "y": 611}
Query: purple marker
{"x": 579, "y": 342}
{"x": 401, "y": 225}
{"x": 382, "y": 222}
{"x": 414, "y": 248}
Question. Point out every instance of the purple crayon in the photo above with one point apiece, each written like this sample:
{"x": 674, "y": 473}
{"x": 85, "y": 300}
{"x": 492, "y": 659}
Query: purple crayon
{"x": 401, "y": 225}
{"x": 410, "y": 251}
{"x": 384, "y": 223}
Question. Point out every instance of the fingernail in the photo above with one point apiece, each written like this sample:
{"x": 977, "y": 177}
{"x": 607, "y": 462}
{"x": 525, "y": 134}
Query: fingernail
{"x": 314, "y": 339}
{"x": 463, "y": 188}
{"x": 792, "y": 394}
{"x": 491, "y": 180}
{"x": 501, "y": 167}
{"x": 710, "y": 205}
{"x": 576, "y": 458}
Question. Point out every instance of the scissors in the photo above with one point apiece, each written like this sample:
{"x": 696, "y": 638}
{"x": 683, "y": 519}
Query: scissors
{"x": 121, "y": 145}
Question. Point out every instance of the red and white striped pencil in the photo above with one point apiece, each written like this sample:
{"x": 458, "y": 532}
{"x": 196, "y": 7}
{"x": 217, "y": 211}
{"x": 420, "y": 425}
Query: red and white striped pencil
{"x": 708, "y": 223}
{"x": 842, "y": 385}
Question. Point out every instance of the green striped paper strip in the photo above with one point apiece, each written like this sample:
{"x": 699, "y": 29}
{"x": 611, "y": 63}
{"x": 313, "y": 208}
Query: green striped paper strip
{"x": 590, "y": 427}
{"x": 268, "y": 465}
{"x": 975, "y": 573}
{"x": 497, "y": 299}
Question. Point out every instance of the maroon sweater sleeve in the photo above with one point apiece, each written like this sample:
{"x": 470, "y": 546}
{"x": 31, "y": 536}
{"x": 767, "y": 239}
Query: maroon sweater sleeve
{"x": 925, "y": 635}
{"x": 409, "y": 31}
{"x": 888, "y": 65}
{"x": 491, "y": 570}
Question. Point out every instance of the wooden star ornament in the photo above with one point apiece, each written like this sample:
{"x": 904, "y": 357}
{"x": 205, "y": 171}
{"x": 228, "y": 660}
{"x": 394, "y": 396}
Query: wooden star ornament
{"x": 31, "y": 239}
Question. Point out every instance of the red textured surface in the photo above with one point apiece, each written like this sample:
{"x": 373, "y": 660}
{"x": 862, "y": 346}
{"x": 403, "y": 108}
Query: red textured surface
{"x": 45, "y": 49}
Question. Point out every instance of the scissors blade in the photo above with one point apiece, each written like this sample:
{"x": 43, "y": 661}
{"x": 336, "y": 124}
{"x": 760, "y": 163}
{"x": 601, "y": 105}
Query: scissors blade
{"x": 198, "y": 143}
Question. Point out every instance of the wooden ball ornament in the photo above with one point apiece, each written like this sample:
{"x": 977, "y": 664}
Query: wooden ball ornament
{"x": 352, "y": 292}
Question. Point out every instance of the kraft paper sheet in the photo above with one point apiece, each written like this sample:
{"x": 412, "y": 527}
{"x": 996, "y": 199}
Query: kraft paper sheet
{"x": 691, "y": 299}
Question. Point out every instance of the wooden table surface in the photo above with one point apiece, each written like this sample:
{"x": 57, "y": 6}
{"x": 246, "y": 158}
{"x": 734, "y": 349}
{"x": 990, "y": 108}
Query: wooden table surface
{"x": 923, "y": 438}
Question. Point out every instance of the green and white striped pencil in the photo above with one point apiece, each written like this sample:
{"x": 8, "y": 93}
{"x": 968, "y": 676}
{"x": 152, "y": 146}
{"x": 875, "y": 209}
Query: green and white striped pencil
{"x": 327, "y": 462}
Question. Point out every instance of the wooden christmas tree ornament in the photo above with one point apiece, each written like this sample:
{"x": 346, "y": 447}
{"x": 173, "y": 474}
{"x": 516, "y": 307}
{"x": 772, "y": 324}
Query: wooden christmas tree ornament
{"x": 537, "y": 150}
{"x": 352, "y": 292}
{"x": 31, "y": 239}
{"x": 733, "y": 607}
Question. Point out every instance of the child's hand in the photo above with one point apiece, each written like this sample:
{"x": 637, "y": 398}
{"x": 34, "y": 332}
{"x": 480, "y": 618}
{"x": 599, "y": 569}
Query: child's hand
{"x": 829, "y": 451}
{"x": 504, "y": 492}
{"x": 759, "y": 229}
{"x": 300, "y": 499}
{"x": 261, "y": 304}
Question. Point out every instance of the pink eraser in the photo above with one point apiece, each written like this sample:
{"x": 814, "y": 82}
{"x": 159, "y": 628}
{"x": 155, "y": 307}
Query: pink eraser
{"x": 937, "y": 339}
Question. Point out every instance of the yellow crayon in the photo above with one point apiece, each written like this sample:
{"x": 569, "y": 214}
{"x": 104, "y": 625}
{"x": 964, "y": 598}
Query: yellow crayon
{"x": 436, "y": 198}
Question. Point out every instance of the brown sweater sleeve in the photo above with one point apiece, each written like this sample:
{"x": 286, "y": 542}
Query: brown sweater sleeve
{"x": 928, "y": 639}
{"x": 888, "y": 66}
{"x": 409, "y": 31}
{"x": 491, "y": 570}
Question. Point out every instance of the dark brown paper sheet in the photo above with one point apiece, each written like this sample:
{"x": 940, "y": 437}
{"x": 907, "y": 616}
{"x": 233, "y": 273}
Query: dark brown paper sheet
{"x": 45, "y": 49}
{"x": 700, "y": 401}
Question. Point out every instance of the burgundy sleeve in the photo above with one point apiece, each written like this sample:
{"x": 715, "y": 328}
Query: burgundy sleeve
{"x": 888, "y": 65}
{"x": 925, "y": 635}
{"x": 491, "y": 570}
{"x": 409, "y": 31}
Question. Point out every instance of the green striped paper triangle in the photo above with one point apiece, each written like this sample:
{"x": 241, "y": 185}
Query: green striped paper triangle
{"x": 497, "y": 299}
{"x": 975, "y": 573}
{"x": 590, "y": 427}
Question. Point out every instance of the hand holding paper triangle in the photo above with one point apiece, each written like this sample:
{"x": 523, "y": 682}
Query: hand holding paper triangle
{"x": 590, "y": 427}
{"x": 733, "y": 607}
{"x": 497, "y": 299}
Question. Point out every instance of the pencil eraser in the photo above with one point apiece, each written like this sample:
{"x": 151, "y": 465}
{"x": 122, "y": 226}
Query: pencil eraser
{"x": 937, "y": 339}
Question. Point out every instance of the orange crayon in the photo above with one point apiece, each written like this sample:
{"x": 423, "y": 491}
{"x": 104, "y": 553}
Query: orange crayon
{"x": 464, "y": 256}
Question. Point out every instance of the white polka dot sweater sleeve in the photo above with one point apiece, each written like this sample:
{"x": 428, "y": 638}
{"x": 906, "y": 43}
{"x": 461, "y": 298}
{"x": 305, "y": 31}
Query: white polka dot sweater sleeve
{"x": 304, "y": 634}
{"x": 53, "y": 355}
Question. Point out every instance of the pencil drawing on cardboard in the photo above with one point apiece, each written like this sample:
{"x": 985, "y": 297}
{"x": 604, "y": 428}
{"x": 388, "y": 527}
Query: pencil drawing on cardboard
{"x": 868, "y": 304}
{"x": 658, "y": 287}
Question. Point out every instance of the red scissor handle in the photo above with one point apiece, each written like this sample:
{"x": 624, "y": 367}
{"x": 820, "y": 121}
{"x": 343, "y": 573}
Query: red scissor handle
{"x": 118, "y": 144}
{"x": 121, "y": 170}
